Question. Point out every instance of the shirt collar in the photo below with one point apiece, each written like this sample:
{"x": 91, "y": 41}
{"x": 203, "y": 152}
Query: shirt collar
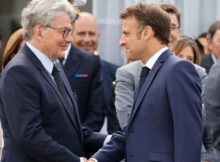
{"x": 66, "y": 53}
{"x": 47, "y": 63}
{"x": 213, "y": 58}
{"x": 150, "y": 63}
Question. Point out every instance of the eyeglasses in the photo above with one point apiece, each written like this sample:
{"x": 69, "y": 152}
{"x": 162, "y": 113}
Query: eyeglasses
{"x": 65, "y": 31}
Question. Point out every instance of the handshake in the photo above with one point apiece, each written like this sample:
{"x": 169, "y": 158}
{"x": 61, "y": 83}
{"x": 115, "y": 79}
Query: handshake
{"x": 82, "y": 159}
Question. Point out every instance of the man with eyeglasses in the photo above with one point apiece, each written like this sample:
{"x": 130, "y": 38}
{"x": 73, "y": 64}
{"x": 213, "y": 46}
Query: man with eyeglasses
{"x": 174, "y": 15}
{"x": 39, "y": 112}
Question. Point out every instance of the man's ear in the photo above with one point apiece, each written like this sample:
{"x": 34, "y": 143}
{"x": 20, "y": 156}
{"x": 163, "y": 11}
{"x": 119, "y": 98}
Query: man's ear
{"x": 38, "y": 32}
{"x": 148, "y": 32}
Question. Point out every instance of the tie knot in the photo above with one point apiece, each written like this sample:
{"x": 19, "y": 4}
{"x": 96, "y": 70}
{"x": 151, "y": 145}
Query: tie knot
{"x": 55, "y": 69}
{"x": 61, "y": 61}
{"x": 144, "y": 72}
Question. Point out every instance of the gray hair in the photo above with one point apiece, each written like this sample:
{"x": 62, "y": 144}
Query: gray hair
{"x": 43, "y": 12}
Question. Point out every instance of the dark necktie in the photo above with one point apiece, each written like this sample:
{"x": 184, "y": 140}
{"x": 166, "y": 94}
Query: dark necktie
{"x": 61, "y": 87}
{"x": 144, "y": 72}
{"x": 61, "y": 62}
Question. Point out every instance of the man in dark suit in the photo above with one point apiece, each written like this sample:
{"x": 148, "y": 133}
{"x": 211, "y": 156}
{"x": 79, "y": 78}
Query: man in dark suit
{"x": 39, "y": 113}
{"x": 84, "y": 74}
{"x": 86, "y": 38}
{"x": 165, "y": 122}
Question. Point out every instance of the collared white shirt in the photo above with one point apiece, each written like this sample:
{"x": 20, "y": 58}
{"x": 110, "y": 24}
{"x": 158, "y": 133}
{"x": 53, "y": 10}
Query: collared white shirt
{"x": 214, "y": 58}
{"x": 47, "y": 62}
{"x": 66, "y": 53}
{"x": 150, "y": 63}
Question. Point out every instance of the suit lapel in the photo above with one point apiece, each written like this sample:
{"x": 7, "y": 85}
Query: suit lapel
{"x": 48, "y": 78}
{"x": 72, "y": 59}
{"x": 151, "y": 76}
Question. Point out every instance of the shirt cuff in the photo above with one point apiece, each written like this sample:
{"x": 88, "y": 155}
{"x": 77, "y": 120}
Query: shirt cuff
{"x": 82, "y": 159}
{"x": 93, "y": 159}
{"x": 107, "y": 139}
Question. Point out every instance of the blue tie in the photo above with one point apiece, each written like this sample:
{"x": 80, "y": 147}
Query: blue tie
{"x": 144, "y": 72}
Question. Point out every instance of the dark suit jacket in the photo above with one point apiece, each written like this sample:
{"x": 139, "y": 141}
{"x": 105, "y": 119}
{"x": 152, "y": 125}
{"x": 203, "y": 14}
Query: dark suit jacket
{"x": 83, "y": 71}
{"x": 165, "y": 122}
{"x": 108, "y": 75}
{"x": 207, "y": 62}
{"x": 36, "y": 122}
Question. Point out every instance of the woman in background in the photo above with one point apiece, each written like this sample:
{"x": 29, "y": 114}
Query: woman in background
{"x": 187, "y": 49}
{"x": 14, "y": 44}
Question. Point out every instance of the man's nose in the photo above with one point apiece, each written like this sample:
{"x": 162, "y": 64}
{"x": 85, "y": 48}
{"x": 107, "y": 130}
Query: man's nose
{"x": 122, "y": 41}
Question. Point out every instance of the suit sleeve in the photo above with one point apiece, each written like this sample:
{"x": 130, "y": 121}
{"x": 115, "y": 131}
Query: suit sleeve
{"x": 96, "y": 110}
{"x": 21, "y": 100}
{"x": 114, "y": 150}
{"x": 184, "y": 95}
{"x": 124, "y": 95}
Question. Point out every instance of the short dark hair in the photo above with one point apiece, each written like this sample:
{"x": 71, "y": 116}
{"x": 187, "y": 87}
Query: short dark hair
{"x": 150, "y": 15}
{"x": 172, "y": 9}
{"x": 203, "y": 35}
{"x": 213, "y": 28}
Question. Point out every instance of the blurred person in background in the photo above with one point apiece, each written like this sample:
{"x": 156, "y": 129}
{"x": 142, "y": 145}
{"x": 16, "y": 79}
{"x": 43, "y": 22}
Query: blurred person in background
{"x": 175, "y": 18}
{"x": 86, "y": 37}
{"x": 202, "y": 43}
{"x": 187, "y": 49}
{"x": 213, "y": 38}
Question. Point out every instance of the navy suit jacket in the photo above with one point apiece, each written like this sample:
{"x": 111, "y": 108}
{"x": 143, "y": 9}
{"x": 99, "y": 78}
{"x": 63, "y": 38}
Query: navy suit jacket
{"x": 83, "y": 71}
{"x": 165, "y": 122}
{"x": 108, "y": 75}
{"x": 36, "y": 123}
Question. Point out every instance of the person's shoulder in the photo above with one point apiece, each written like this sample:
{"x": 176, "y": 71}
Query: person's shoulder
{"x": 215, "y": 69}
{"x": 130, "y": 68}
{"x": 132, "y": 65}
{"x": 175, "y": 63}
{"x": 109, "y": 65}
{"x": 84, "y": 55}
